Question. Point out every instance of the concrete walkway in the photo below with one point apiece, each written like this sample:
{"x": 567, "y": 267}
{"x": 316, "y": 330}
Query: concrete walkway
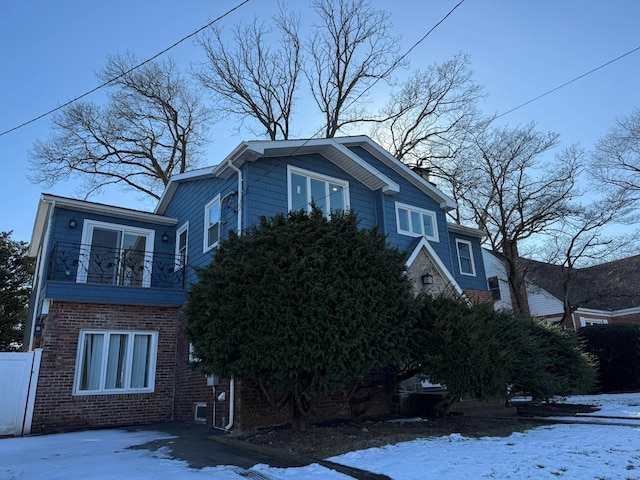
{"x": 202, "y": 446}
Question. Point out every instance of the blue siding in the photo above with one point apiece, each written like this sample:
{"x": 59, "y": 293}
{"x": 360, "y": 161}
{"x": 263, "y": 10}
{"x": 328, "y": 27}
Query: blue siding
{"x": 266, "y": 187}
{"x": 82, "y": 292}
{"x": 62, "y": 234}
{"x": 477, "y": 282}
{"x": 188, "y": 203}
{"x": 410, "y": 195}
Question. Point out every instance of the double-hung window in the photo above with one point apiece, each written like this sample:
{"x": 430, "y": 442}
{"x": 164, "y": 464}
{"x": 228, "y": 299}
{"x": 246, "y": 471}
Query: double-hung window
{"x": 115, "y": 362}
{"x": 465, "y": 257}
{"x": 182, "y": 236}
{"x": 326, "y": 193}
{"x": 113, "y": 254}
{"x": 416, "y": 222}
{"x": 212, "y": 224}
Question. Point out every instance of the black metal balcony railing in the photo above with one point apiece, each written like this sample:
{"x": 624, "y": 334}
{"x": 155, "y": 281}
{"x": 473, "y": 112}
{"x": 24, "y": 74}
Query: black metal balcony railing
{"x": 71, "y": 262}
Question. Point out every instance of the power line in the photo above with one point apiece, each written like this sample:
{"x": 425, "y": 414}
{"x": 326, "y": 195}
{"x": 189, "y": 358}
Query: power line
{"x": 394, "y": 65}
{"x": 569, "y": 82}
{"x": 228, "y": 12}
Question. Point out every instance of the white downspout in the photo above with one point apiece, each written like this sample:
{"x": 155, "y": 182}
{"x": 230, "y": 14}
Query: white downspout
{"x": 40, "y": 270}
{"x": 239, "y": 172}
{"x": 232, "y": 381}
{"x": 232, "y": 384}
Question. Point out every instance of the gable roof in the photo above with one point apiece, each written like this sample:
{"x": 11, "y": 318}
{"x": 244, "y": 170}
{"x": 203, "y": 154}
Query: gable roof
{"x": 608, "y": 286}
{"x": 336, "y": 150}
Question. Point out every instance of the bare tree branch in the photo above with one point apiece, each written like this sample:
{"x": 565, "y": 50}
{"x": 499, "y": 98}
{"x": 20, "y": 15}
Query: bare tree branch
{"x": 251, "y": 79}
{"x": 152, "y": 127}
{"x": 350, "y": 49}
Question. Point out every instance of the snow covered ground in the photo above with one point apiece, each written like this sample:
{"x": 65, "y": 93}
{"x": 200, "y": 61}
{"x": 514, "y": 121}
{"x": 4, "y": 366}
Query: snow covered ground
{"x": 581, "y": 451}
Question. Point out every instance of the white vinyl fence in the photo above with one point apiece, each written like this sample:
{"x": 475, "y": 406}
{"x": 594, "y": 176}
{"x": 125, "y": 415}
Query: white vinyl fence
{"x": 18, "y": 381}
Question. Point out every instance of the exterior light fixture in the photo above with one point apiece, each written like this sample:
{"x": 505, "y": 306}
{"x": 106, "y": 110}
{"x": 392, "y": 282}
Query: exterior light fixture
{"x": 72, "y": 222}
{"x": 165, "y": 237}
{"x": 427, "y": 278}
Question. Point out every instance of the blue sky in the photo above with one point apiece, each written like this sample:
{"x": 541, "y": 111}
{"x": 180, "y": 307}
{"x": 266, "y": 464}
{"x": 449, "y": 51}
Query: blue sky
{"x": 519, "y": 50}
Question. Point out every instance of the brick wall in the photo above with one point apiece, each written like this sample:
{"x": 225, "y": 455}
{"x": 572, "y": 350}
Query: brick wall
{"x": 57, "y": 409}
{"x": 478, "y": 296}
{"x": 191, "y": 384}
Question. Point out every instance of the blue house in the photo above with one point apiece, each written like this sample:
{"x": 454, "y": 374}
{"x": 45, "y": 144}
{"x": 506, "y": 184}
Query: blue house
{"x": 110, "y": 282}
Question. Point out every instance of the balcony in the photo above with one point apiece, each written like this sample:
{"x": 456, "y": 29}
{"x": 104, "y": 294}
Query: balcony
{"x": 91, "y": 265}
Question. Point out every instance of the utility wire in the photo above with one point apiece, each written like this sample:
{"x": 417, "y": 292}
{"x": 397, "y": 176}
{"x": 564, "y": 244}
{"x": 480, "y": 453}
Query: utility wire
{"x": 567, "y": 83}
{"x": 394, "y": 65}
{"x": 228, "y": 12}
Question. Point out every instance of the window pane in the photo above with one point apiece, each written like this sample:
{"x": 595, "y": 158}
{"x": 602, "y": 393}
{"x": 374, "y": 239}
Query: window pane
{"x": 464, "y": 254}
{"x": 104, "y": 257}
{"x": 427, "y": 222}
{"x": 299, "y": 198}
{"x": 182, "y": 241}
{"x": 213, "y": 230}
{"x": 403, "y": 218}
{"x": 132, "y": 266}
{"x": 416, "y": 223}
{"x": 91, "y": 361}
{"x": 116, "y": 360}
{"x": 141, "y": 361}
{"x": 319, "y": 194}
{"x": 336, "y": 197}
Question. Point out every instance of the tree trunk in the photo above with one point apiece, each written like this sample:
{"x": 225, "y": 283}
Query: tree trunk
{"x": 515, "y": 275}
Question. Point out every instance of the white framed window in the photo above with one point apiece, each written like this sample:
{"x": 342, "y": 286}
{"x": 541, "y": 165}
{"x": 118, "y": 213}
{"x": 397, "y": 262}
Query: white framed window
{"x": 212, "y": 224}
{"x": 182, "y": 239}
{"x": 327, "y": 193}
{"x": 114, "y": 361}
{"x": 584, "y": 322}
{"x": 416, "y": 222}
{"x": 113, "y": 254}
{"x": 465, "y": 257}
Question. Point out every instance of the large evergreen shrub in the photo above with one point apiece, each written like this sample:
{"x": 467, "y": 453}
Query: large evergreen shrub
{"x": 302, "y": 304}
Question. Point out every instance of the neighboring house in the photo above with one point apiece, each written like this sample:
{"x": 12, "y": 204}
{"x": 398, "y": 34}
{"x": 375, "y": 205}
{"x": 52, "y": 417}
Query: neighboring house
{"x": 110, "y": 282}
{"x": 601, "y": 294}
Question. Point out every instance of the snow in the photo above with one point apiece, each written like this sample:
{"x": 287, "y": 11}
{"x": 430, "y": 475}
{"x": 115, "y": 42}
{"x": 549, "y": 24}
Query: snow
{"x": 572, "y": 451}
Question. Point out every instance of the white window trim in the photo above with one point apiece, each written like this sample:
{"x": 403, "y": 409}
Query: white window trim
{"x": 473, "y": 265}
{"x": 318, "y": 176}
{"x": 103, "y": 391}
{"x": 178, "y": 263}
{"x": 207, "y": 207}
{"x": 410, "y": 208}
{"x": 592, "y": 321}
{"x": 85, "y": 248}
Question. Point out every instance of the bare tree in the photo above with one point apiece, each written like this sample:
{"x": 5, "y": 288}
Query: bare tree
{"x": 581, "y": 239}
{"x": 514, "y": 195}
{"x": 151, "y": 128}
{"x": 429, "y": 119}
{"x": 617, "y": 157}
{"x": 351, "y": 48}
{"x": 252, "y": 79}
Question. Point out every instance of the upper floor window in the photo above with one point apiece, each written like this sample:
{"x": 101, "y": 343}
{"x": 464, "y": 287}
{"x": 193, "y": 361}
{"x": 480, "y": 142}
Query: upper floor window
{"x": 115, "y": 362}
{"x": 212, "y": 223}
{"x": 465, "y": 257}
{"x": 114, "y": 254}
{"x": 494, "y": 288}
{"x": 416, "y": 222}
{"x": 326, "y": 193}
{"x": 182, "y": 236}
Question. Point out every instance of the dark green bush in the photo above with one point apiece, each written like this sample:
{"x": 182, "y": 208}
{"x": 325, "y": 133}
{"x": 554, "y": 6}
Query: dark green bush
{"x": 617, "y": 348}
